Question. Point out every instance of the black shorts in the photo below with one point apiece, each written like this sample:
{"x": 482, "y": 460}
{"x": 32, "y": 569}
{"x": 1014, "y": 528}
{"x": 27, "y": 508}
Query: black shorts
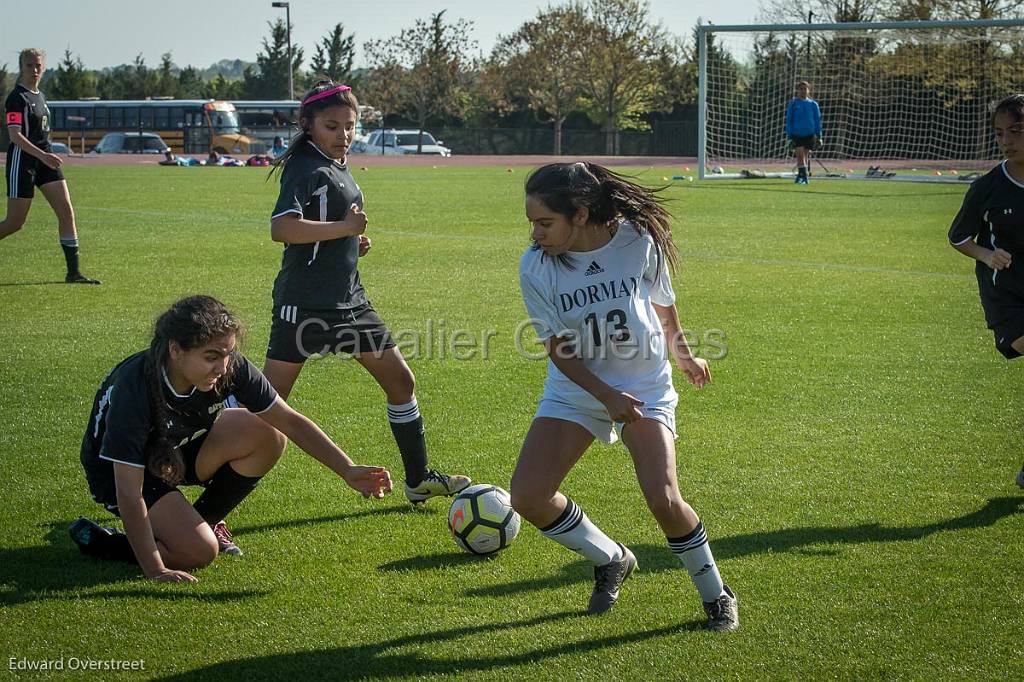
{"x": 154, "y": 487}
{"x": 296, "y": 333}
{"x": 806, "y": 141}
{"x": 1006, "y": 332}
{"x": 25, "y": 172}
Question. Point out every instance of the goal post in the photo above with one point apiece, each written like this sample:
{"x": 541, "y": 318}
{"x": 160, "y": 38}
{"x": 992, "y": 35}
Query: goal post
{"x": 900, "y": 100}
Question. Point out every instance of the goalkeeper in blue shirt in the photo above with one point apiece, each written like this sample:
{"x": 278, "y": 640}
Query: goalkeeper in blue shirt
{"x": 803, "y": 127}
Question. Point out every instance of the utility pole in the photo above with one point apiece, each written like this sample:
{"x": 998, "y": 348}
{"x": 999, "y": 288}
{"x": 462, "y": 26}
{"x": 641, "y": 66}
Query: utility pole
{"x": 288, "y": 25}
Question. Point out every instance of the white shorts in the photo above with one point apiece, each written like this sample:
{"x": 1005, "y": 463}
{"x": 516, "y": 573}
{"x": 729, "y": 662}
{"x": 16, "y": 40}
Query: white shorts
{"x": 599, "y": 423}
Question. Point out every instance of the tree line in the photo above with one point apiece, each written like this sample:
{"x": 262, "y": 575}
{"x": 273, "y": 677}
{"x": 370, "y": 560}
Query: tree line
{"x": 599, "y": 63}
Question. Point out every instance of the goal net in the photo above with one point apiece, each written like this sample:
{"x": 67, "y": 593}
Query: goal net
{"x": 899, "y": 100}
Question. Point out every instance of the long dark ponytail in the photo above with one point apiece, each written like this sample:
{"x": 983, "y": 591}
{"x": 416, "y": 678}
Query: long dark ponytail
{"x": 607, "y": 196}
{"x": 311, "y": 104}
{"x": 190, "y": 323}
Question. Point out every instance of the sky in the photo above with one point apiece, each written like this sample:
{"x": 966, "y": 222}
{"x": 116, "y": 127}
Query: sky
{"x": 111, "y": 32}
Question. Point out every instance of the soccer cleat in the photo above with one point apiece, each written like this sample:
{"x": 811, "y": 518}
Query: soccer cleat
{"x": 79, "y": 278}
{"x": 608, "y": 581}
{"x": 723, "y": 613}
{"x": 1020, "y": 477}
{"x": 83, "y": 531}
{"x": 224, "y": 541}
{"x": 435, "y": 484}
{"x": 97, "y": 541}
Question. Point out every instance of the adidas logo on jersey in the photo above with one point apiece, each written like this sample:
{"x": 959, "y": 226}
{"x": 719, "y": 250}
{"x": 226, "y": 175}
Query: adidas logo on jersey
{"x": 594, "y": 269}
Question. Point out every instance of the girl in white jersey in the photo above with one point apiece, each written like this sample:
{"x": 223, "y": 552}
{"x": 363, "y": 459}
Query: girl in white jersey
{"x": 596, "y": 286}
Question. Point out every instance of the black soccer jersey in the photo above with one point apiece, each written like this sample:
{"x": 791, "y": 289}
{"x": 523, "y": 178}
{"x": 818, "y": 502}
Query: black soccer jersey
{"x": 993, "y": 216}
{"x": 122, "y": 420}
{"x": 322, "y": 275}
{"x": 27, "y": 110}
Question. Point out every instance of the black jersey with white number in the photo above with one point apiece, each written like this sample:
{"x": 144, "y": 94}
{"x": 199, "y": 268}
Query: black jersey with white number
{"x": 27, "y": 109}
{"x": 322, "y": 275}
{"x": 993, "y": 216}
{"x": 121, "y": 423}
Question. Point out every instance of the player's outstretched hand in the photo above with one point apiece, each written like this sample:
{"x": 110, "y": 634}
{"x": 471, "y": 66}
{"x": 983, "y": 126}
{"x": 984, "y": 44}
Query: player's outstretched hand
{"x": 622, "y": 407}
{"x": 696, "y": 371}
{"x": 169, "y": 576}
{"x": 369, "y": 481}
{"x": 999, "y": 259}
{"x": 356, "y": 220}
{"x": 364, "y": 245}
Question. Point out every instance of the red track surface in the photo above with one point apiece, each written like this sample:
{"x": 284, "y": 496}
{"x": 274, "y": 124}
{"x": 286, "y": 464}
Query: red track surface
{"x": 369, "y": 161}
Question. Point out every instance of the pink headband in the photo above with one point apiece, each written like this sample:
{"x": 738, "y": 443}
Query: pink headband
{"x": 326, "y": 93}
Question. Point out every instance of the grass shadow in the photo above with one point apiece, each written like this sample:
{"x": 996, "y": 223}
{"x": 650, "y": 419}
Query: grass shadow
{"x": 348, "y": 516}
{"x": 807, "y": 540}
{"x": 31, "y": 284}
{"x": 58, "y": 571}
{"x": 434, "y": 561}
{"x": 387, "y": 658}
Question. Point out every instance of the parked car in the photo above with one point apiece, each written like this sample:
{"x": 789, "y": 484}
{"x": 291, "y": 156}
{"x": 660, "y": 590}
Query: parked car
{"x": 130, "y": 143}
{"x": 399, "y": 142}
{"x": 59, "y": 148}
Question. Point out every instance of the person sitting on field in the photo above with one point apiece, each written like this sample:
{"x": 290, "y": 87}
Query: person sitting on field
{"x": 190, "y": 410}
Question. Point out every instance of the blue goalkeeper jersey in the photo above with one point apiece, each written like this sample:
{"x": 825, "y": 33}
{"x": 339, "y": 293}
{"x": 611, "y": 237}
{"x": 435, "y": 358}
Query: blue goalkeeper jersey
{"x": 803, "y": 118}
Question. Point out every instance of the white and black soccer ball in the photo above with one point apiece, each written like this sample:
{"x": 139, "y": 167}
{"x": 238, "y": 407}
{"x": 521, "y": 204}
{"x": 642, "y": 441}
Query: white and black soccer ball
{"x": 482, "y": 519}
{"x": 717, "y": 170}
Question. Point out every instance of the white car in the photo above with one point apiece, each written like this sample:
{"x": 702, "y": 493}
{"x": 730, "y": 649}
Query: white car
{"x": 390, "y": 142}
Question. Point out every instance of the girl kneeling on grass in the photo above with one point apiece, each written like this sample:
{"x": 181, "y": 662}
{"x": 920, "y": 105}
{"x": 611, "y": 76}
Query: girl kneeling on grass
{"x": 170, "y": 415}
{"x": 990, "y": 229}
{"x": 598, "y": 293}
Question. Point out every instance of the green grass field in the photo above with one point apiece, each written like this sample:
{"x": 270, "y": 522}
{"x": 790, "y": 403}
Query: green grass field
{"x": 853, "y": 460}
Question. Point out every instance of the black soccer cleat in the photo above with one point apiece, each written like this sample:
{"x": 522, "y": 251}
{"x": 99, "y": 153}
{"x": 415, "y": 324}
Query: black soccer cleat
{"x": 89, "y": 535}
{"x": 608, "y": 581}
{"x": 79, "y": 278}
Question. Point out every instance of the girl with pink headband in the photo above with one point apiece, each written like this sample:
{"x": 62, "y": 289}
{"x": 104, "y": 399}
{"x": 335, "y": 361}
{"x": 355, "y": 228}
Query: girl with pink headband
{"x": 320, "y": 306}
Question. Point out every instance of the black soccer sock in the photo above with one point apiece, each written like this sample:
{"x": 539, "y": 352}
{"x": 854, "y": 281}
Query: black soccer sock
{"x": 225, "y": 491}
{"x": 69, "y": 245}
{"x": 407, "y": 427}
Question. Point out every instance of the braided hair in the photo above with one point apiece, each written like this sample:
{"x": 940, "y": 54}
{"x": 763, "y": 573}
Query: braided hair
{"x": 191, "y": 323}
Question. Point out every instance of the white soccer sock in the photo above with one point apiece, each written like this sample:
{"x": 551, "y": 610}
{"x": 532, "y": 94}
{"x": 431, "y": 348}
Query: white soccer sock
{"x": 695, "y": 554}
{"x": 573, "y": 530}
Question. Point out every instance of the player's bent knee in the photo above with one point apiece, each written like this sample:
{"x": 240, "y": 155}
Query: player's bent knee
{"x": 202, "y": 552}
{"x": 11, "y": 225}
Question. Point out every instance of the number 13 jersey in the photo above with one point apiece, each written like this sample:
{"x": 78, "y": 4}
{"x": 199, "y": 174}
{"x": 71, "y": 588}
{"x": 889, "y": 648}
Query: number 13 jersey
{"x": 605, "y": 304}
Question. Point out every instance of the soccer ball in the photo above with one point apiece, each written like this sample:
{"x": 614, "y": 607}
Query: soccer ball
{"x": 717, "y": 170}
{"x": 482, "y": 519}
